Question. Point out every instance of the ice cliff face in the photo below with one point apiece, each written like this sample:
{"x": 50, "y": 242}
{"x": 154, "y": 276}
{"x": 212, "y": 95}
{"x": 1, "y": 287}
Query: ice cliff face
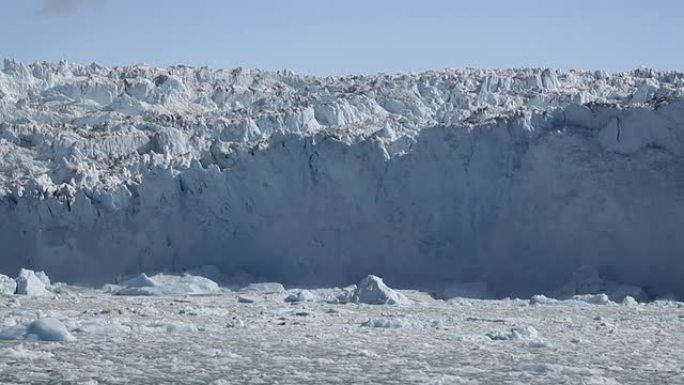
{"x": 514, "y": 177}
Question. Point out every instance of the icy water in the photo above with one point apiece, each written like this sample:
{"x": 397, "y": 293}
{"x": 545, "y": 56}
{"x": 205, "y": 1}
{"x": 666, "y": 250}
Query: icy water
{"x": 217, "y": 339}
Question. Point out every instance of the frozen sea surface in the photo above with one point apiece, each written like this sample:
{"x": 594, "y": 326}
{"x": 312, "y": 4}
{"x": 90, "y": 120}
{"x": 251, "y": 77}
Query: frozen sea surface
{"x": 214, "y": 339}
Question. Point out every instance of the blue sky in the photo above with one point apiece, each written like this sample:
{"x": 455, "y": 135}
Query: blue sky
{"x": 351, "y": 36}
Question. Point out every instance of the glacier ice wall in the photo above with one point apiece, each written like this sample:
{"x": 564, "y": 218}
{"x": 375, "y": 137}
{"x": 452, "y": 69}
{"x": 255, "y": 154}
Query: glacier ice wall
{"x": 514, "y": 177}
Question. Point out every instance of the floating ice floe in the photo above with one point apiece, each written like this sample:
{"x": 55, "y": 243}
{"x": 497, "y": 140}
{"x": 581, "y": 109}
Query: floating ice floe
{"x": 373, "y": 291}
{"x": 30, "y": 283}
{"x": 44, "y": 329}
{"x": 163, "y": 284}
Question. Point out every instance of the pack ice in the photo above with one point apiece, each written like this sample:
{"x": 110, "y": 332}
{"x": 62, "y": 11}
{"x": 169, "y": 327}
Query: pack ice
{"x": 512, "y": 178}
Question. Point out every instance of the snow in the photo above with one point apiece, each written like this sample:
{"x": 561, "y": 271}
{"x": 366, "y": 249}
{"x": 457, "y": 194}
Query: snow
{"x": 29, "y": 283}
{"x": 423, "y": 179}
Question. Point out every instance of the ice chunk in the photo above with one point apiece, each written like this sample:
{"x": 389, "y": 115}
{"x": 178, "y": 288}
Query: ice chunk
{"x": 44, "y": 329}
{"x": 140, "y": 280}
{"x": 373, "y": 291}
{"x": 384, "y": 323}
{"x": 594, "y": 299}
{"x": 541, "y": 299}
{"x": 28, "y": 283}
{"x": 301, "y": 296}
{"x": 165, "y": 327}
{"x": 8, "y": 286}
{"x": 265, "y": 287}
{"x": 208, "y": 271}
{"x": 341, "y": 295}
{"x": 43, "y": 278}
{"x": 629, "y": 301}
{"x": 246, "y": 299}
{"x": 524, "y": 333}
{"x": 162, "y": 284}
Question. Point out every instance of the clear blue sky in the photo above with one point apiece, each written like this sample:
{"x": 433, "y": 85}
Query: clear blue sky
{"x": 349, "y": 36}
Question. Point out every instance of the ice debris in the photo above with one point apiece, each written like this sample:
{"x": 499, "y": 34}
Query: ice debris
{"x": 44, "y": 329}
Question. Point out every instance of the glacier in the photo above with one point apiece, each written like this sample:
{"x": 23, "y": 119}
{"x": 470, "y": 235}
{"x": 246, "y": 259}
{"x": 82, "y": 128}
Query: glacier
{"x": 516, "y": 178}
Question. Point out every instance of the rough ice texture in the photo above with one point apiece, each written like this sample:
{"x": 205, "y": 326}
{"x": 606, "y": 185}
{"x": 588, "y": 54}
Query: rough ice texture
{"x": 515, "y": 178}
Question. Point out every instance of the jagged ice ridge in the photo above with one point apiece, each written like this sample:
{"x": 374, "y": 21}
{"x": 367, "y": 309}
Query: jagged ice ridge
{"x": 511, "y": 177}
